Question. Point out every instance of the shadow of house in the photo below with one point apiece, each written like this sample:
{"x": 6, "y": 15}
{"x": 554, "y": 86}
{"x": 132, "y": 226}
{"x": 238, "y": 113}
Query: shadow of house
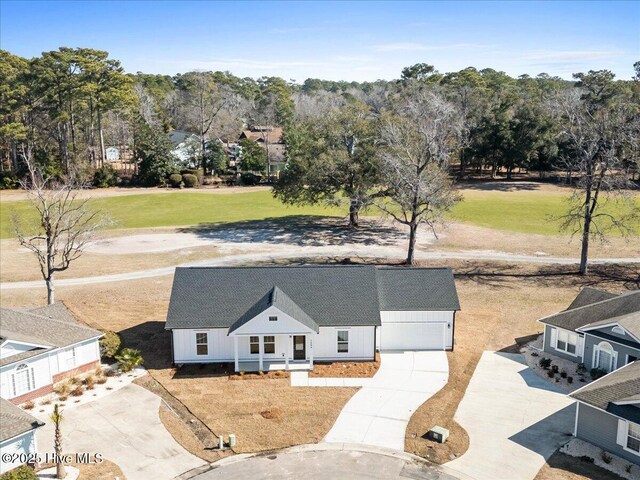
{"x": 549, "y": 434}
{"x": 153, "y": 342}
{"x": 299, "y": 230}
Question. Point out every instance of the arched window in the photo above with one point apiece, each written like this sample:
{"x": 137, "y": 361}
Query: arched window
{"x": 22, "y": 380}
{"x": 604, "y": 357}
{"x": 618, "y": 329}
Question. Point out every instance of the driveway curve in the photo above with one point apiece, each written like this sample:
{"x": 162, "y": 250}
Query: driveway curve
{"x": 126, "y": 429}
{"x": 379, "y": 412}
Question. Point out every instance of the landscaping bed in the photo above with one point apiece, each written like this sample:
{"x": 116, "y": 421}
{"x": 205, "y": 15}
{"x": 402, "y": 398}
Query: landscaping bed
{"x": 346, "y": 369}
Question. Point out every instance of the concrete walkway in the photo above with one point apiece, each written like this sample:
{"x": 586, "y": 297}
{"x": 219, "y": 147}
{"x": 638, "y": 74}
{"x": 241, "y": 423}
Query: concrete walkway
{"x": 379, "y": 412}
{"x": 328, "y": 461}
{"x": 514, "y": 418}
{"x": 125, "y": 428}
{"x": 302, "y": 379}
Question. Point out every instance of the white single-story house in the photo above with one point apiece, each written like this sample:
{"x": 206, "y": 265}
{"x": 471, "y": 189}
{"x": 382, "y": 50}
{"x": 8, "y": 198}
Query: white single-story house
{"x": 17, "y": 436}
{"x": 599, "y": 329}
{"x": 113, "y": 154}
{"x": 278, "y": 316}
{"x": 608, "y": 412}
{"x": 40, "y": 347}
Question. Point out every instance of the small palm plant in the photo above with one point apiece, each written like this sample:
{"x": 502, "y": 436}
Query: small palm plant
{"x": 56, "y": 418}
{"x": 129, "y": 358}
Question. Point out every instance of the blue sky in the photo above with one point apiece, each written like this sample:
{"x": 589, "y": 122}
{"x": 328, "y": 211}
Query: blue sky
{"x": 334, "y": 40}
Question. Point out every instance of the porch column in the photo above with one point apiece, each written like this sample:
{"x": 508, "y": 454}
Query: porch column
{"x": 311, "y": 351}
{"x": 286, "y": 350}
{"x": 260, "y": 350}
{"x": 235, "y": 353}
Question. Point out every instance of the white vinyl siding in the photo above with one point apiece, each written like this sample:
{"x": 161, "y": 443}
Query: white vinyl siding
{"x": 14, "y": 448}
{"x": 70, "y": 358}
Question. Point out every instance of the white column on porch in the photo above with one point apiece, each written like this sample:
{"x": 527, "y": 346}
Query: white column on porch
{"x": 260, "y": 350}
{"x": 286, "y": 350}
{"x": 311, "y": 352}
{"x": 235, "y": 353}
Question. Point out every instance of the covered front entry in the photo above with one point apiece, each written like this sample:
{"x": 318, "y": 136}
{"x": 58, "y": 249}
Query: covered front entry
{"x": 273, "y": 352}
{"x": 299, "y": 347}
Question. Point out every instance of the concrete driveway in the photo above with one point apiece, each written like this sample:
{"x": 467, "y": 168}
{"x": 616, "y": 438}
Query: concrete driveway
{"x": 379, "y": 412}
{"x": 126, "y": 429}
{"x": 514, "y": 418}
{"x": 326, "y": 462}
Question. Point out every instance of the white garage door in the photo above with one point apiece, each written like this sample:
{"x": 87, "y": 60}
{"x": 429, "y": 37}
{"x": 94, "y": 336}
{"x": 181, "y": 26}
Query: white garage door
{"x": 413, "y": 336}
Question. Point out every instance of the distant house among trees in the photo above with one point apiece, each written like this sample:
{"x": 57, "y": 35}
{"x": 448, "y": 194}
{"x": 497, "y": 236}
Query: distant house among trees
{"x": 112, "y": 154}
{"x": 185, "y": 145}
{"x": 271, "y": 139}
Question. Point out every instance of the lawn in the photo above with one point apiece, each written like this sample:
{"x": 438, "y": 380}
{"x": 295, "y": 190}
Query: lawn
{"x": 524, "y": 212}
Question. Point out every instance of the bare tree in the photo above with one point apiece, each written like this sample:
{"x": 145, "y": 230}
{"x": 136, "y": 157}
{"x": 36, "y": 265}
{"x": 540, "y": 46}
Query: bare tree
{"x": 64, "y": 225}
{"x": 417, "y": 144}
{"x": 598, "y": 135}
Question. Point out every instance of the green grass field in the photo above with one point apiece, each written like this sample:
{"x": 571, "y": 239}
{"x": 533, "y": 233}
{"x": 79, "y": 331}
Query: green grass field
{"x": 517, "y": 212}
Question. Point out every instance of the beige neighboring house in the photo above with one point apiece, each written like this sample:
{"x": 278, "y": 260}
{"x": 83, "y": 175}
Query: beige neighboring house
{"x": 40, "y": 347}
{"x": 272, "y": 140}
{"x": 17, "y": 436}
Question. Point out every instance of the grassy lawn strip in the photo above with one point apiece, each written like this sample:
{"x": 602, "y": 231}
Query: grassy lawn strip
{"x": 105, "y": 470}
{"x": 517, "y": 212}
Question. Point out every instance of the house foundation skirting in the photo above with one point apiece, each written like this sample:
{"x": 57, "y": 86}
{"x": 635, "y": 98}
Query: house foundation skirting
{"x": 75, "y": 371}
{"x": 27, "y": 397}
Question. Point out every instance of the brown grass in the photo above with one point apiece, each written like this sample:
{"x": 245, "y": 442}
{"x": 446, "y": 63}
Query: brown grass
{"x": 106, "y": 470}
{"x": 564, "y": 467}
{"x": 345, "y": 369}
{"x": 499, "y": 305}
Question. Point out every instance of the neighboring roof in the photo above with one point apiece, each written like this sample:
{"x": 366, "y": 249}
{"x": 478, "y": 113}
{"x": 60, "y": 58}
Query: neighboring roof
{"x": 216, "y": 297}
{"x": 264, "y": 133}
{"x": 276, "y": 298}
{"x": 589, "y": 295}
{"x": 608, "y": 309}
{"x": 617, "y": 386}
{"x": 15, "y": 421}
{"x": 176, "y": 137}
{"x": 417, "y": 289}
{"x": 630, "y": 322}
{"x": 53, "y": 326}
{"x": 328, "y": 295}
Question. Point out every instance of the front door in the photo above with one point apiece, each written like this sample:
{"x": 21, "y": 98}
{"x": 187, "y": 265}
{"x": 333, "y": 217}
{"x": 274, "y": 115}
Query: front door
{"x": 299, "y": 347}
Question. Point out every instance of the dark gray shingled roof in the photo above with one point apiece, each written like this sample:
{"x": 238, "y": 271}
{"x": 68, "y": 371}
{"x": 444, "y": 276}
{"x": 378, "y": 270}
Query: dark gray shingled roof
{"x": 630, "y": 322}
{"x": 330, "y": 295}
{"x": 575, "y": 318}
{"x": 15, "y": 421}
{"x": 403, "y": 288}
{"x": 617, "y": 386}
{"x": 277, "y": 298}
{"x": 41, "y": 330}
{"x": 589, "y": 295}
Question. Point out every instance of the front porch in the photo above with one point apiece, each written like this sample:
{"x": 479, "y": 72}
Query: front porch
{"x": 273, "y": 365}
{"x": 272, "y": 352}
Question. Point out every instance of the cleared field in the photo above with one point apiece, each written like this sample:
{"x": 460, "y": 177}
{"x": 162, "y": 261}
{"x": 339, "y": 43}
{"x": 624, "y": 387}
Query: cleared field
{"x": 519, "y": 211}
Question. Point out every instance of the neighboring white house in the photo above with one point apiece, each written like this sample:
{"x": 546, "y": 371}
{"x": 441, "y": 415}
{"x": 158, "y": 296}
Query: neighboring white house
{"x": 17, "y": 436}
{"x": 273, "y": 316}
{"x": 113, "y": 154}
{"x": 185, "y": 145}
{"x": 40, "y": 347}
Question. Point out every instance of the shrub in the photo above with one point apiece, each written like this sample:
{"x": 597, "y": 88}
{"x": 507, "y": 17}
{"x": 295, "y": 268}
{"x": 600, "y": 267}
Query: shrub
{"x": 46, "y": 401}
{"x": 175, "y": 180}
{"x": 555, "y": 368}
{"x": 29, "y": 405}
{"x": 23, "y": 472}
{"x": 109, "y": 344}
{"x": 77, "y": 392}
{"x": 189, "y": 180}
{"x": 8, "y": 181}
{"x": 545, "y": 363}
{"x": 551, "y": 373}
{"x": 63, "y": 398}
{"x": 62, "y": 388}
{"x": 628, "y": 468}
{"x": 580, "y": 369}
{"x": 89, "y": 382}
{"x": 248, "y": 178}
{"x": 76, "y": 381}
{"x": 129, "y": 358}
{"x": 563, "y": 373}
{"x": 109, "y": 373}
{"x": 101, "y": 381}
{"x": 569, "y": 379}
{"x": 105, "y": 177}
{"x": 586, "y": 458}
{"x": 597, "y": 373}
{"x": 606, "y": 458}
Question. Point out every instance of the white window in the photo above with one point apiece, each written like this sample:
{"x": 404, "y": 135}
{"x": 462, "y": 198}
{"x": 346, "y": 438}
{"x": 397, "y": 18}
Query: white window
{"x": 604, "y": 357}
{"x": 633, "y": 437}
{"x": 69, "y": 356}
{"x": 23, "y": 380}
{"x": 567, "y": 342}
{"x": 254, "y": 345}
{"x": 269, "y": 344}
{"x": 273, "y": 318}
{"x": 619, "y": 330}
{"x": 202, "y": 343}
{"x": 343, "y": 341}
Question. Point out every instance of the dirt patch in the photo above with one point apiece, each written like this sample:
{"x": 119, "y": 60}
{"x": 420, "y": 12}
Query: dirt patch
{"x": 500, "y": 306}
{"x": 105, "y": 470}
{"x": 564, "y": 467}
{"x": 272, "y": 413}
{"x": 345, "y": 369}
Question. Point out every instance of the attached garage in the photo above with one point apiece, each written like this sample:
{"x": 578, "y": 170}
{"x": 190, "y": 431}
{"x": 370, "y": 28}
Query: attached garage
{"x": 414, "y": 330}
